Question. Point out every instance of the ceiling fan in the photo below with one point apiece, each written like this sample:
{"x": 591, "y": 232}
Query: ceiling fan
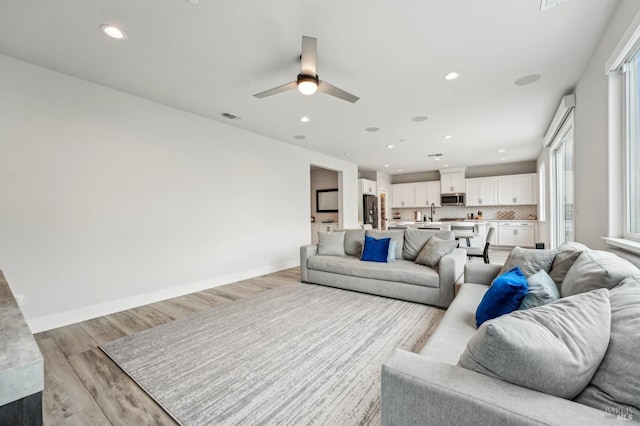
{"x": 307, "y": 81}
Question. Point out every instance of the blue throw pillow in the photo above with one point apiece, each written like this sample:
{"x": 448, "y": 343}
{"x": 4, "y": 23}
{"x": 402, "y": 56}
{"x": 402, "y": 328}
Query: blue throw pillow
{"x": 375, "y": 250}
{"x": 504, "y": 296}
{"x": 391, "y": 256}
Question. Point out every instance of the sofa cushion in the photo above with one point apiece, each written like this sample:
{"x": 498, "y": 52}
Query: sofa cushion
{"x": 353, "y": 241}
{"x": 434, "y": 250}
{"x": 616, "y": 383}
{"x": 504, "y": 296}
{"x": 542, "y": 290}
{"x": 596, "y": 269}
{"x": 397, "y": 236}
{"x": 566, "y": 255}
{"x": 554, "y": 349}
{"x": 375, "y": 250}
{"x": 331, "y": 243}
{"x": 529, "y": 261}
{"x": 400, "y": 271}
{"x": 415, "y": 239}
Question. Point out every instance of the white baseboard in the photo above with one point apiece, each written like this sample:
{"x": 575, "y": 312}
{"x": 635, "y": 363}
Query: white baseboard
{"x": 61, "y": 319}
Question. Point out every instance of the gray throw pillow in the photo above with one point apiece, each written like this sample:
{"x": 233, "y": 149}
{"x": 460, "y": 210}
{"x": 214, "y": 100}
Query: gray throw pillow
{"x": 353, "y": 241}
{"x": 596, "y": 269}
{"x": 616, "y": 384}
{"x": 331, "y": 243}
{"x": 397, "y": 236}
{"x": 434, "y": 250}
{"x": 554, "y": 349}
{"x": 529, "y": 260}
{"x": 415, "y": 239}
{"x": 542, "y": 290}
{"x": 563, "y": 261}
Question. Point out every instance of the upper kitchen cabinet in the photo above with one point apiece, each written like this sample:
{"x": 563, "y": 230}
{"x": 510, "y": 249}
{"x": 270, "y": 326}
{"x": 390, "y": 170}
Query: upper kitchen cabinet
{"x": 368, "y": 187}
{"x": 403, "y": 195}
{"x": 482, "y": 191}
{"x": 451, "y": 182}
{"x": 427, "y": 193}
{"x": 516, "y": 189}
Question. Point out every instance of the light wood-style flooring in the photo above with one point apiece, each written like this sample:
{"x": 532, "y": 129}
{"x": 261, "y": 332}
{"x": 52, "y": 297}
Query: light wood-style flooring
{"x": 84, "y": 387}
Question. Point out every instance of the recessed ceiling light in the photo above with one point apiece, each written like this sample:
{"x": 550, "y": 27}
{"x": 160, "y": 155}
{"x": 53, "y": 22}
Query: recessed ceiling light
{"x": 300, "y": 137}
{"x": 390, "y": 146}
{"x": 527, "y": 79}
{"x": 502, "y": 159}
{"x": 346, "y": 154}
{"x": 420, "y": 118}
{"x": 447, "y": 137}
{"x": 437, "y": 159}
{"x": 501, "y": 150}
{"x": 194, "y": 2}
{"x": 399, "y": 170}
{"x": 113, "y": 31}
{"x": 305, "y": 119}
{"x": 386, "y": 165}
{"x": 446, "y": 165}
{"x": 452, "y": 75}
{"x": 372, "y": 129}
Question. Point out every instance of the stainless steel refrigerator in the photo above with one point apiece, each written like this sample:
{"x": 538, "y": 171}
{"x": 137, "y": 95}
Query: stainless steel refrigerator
{"x": 370, "y": 204}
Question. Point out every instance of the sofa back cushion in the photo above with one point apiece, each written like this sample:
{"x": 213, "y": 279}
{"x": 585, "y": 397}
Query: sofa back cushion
{"x": 353, "y": 241}
{"x": 415, "y": 239}
{"x": 616, "y": 384}
{"x": 529, "y": 261}
{"x": 596, "y": 269}
{"x": 554, "y": 349}
{"x": 397, "y": 236}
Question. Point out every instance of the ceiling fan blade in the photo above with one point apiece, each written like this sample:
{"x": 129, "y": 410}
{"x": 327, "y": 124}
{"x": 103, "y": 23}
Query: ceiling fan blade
{"x": 308, "y": 57}
{"x": 276, "y": 90}
{"x": 338, "y": 93}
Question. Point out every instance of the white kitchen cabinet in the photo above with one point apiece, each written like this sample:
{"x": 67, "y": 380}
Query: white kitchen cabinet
{"x": 516, "y": 234}
{"x": 516, "y": 190}
{"x": 427, "y": 193}
{"x": 323, "y": 227}
{"x": 403, "y": 195}
{"x": 368, "y": 187}
{"x": 451, "y": 182}
{"x": 481, "y": 191}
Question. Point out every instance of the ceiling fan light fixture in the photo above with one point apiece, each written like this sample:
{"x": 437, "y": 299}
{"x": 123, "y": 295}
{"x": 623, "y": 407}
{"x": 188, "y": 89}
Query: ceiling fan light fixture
{"x": 307, "y": 85}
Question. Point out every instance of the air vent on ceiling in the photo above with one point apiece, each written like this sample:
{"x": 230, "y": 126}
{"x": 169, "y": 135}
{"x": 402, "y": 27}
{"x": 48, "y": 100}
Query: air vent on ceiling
{"x": 547, "y": 4}
{"x": 435, "y": 155}
{"x": 230, "y": 116}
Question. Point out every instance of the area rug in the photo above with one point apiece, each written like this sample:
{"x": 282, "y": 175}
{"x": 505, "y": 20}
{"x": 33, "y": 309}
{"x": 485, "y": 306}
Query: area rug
{"x": 304, "y": 354}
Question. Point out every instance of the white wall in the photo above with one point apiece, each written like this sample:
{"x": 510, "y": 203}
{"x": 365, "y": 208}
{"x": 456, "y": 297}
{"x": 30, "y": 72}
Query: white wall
{"x": 109, "y": 201}
{"x": 592, "y": 136}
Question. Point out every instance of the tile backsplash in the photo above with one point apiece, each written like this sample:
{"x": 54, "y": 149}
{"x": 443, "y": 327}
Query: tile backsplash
{"x": 488, "y": 212}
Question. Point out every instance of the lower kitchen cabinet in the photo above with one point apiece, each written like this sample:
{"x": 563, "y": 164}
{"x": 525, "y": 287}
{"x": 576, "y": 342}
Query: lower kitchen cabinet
{"x": 513, "y": 234}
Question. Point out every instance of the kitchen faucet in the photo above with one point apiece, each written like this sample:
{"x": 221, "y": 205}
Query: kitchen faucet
{"x": 433, "y": 211}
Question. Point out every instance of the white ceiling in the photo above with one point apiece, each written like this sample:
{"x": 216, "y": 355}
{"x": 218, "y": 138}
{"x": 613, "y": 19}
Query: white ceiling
{"x": 212, "y": 57}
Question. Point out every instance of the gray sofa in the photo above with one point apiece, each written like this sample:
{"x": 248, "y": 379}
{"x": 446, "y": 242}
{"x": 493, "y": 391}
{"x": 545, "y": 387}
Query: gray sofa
{"x": 429, "y": 388}
{"x": 401, "y": 279}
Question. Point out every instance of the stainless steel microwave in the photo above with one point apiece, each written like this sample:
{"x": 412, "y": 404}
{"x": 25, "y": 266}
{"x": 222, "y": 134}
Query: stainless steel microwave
{"x": 456, "y": 199}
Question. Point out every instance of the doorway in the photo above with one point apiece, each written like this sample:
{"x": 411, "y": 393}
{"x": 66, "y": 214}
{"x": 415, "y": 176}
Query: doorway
{"x": 382, "y": 220}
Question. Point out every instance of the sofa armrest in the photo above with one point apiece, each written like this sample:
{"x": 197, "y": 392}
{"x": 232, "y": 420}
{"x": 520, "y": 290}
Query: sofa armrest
{"x": 480, "y": 273}
{"x": 450, "y": 270}
{"x": 416, "y": 390}
{"x": 305, "y": 253}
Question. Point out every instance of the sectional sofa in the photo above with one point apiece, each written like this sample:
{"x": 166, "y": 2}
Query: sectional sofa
{"x": 402, "y": 278}
{"x": 432, "y": 388}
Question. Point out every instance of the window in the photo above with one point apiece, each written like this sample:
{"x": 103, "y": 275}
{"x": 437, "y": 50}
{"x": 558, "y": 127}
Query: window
{"x": 632, "y": 147}
{"x": 563, "y": 194}
{"x": 541, "y": 193}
